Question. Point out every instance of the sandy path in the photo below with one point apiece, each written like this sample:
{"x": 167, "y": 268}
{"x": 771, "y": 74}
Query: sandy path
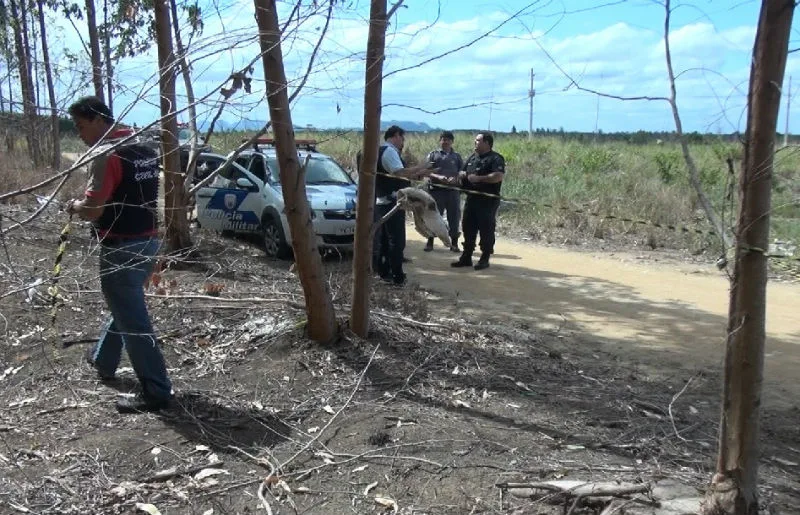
{"x": 660, "y": 313}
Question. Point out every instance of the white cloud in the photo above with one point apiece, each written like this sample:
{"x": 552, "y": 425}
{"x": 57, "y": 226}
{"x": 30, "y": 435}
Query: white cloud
{"x": 617, "y": 58}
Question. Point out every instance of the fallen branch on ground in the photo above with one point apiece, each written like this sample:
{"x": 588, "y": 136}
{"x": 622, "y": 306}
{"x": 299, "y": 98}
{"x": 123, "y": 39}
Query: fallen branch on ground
{"x": 170, "y": 473}
{"x": 559, "y": 492}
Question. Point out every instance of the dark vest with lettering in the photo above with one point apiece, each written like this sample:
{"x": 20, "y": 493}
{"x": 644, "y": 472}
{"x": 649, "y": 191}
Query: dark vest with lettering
{"x": 384, "y": 184}
{"x": 132, "y": 209}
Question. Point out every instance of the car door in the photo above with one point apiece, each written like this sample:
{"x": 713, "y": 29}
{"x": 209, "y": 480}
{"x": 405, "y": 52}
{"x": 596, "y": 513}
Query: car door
{"x": 231, "y": 202}
{"x": 209, "y": 214}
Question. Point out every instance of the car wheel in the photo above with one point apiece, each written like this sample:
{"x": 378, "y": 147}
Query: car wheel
{"x": 275, "y": 245}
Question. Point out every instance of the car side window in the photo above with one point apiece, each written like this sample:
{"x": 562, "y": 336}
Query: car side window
{"x": 243, "y": 161}
{"x": 223, "y": 179}
{"x": 272, "y": 166}
{"x": 204, "y": 167}
{"x": 257, "y": 168}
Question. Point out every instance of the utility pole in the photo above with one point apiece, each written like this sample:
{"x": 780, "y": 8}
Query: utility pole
{"x": 531, "y": 94}
{"x": 597, "y": 117}
{"x": 788, "y": 106}
{"x": 491, "y": 104}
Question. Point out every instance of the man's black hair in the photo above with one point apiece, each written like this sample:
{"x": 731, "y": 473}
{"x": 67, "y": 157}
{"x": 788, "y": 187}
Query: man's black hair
{"x": 394, "y": 130}
{"x": 89, "y": 108}
{"x": 488, "y": 138}
{"x": 447, "y": 135}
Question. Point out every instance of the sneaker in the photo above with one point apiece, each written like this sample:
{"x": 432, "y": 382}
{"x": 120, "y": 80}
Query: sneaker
{"x": 463, "y": 261}
{"x": 429, "y": 245}
{"x": 482, "y": 264}
{"x": 407, "y": 260}
{"x": 399, "y": 281}
{"x": 454, "y": 248}
{"x": 142, "y": 404}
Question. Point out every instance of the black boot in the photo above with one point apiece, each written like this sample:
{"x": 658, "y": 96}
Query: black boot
{"x": 463, "y": 261}
{"x": 483, "y": 262}
{"x": 142, "y": 404}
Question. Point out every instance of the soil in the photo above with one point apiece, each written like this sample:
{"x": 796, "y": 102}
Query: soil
{"x": 553, "y": 364}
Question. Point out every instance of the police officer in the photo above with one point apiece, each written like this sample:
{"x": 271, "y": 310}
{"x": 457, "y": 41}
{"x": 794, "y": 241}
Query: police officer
{"x": 482, "y": 176}
{"x": 393, "y": 175}
{"x": 449, "y": 163}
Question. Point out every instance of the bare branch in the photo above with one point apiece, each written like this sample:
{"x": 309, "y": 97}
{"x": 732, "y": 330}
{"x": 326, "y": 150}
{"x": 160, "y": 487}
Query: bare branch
{"x": 465, "y": 45}
{"x": 230, "y": 158}
{"x": 394, "y": 9}
{"x": 477, "y": 104}
{"x": 574, "y": 83}
{"x": 694, "y": 175}
{"x": 233, "y": 155}
{"x": 315, "y": 51}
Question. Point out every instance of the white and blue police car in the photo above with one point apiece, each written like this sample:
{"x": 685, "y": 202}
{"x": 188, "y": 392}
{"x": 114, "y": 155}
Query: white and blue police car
{"x": 246, "y": 197}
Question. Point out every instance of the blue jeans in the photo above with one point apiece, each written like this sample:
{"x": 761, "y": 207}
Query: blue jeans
{"x": 123, "y": 269}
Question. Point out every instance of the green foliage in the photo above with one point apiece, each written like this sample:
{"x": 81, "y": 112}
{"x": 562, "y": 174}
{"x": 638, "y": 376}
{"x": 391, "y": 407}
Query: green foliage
{"x": 645, "y": 181}
{"x": 594, "y": 160}
{"x": 669, "y": 166}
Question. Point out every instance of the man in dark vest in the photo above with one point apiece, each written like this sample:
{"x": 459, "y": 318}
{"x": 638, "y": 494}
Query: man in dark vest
{"x": 121, "y": 202}
{"x": 482, "y": 176}
{"x": 393, "y": 175}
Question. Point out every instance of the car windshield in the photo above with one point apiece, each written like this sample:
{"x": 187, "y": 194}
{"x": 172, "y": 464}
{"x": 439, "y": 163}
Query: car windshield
{"x": 320, "y": 170}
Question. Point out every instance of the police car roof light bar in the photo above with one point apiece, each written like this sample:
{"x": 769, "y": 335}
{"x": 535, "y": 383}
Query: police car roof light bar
{"x": 305, "y": 144}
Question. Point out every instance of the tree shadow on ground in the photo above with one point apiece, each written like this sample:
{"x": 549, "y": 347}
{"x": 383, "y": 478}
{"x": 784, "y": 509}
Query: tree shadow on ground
{"x": 601, "y": 381}
{"x": 668, "y": 331}
{"x": 205, "y": 420}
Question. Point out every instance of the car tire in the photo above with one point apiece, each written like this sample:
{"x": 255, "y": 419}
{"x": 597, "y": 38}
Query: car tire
{"x": 273, "y": 239}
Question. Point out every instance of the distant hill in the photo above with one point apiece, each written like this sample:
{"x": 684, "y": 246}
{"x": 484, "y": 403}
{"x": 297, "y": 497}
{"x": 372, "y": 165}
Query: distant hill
{"x": 408, "y": 125}
{"x": 254, "y": 125}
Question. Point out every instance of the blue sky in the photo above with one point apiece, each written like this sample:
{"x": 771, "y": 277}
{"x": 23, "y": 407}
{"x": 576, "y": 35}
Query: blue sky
{"x": 615, "y": 47}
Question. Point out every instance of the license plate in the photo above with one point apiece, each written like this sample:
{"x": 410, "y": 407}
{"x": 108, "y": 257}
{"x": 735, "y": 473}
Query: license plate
{"x": 346, "y": 230}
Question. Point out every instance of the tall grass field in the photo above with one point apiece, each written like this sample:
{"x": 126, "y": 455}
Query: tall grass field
{"x": 560, "y": 189}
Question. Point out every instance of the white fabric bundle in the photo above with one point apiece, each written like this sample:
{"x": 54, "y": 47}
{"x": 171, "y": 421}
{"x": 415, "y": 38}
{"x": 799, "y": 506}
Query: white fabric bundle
{"x": 427, "y": 219}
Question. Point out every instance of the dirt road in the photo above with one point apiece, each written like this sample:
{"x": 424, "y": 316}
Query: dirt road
{"x": 662, "y": 314}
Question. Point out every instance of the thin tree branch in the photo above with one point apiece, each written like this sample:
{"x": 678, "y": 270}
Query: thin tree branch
{"x": 233, "y": 155}
{"x": 394, "y": 9}
{"x": 465, "y": 45}
{"x": 574, "y": 83}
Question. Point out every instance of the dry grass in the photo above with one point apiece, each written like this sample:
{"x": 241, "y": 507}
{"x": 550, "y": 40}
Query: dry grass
{"x": 19, "y": 173}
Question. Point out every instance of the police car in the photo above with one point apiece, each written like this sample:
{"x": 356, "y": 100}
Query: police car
{"x": 246, "y": 197}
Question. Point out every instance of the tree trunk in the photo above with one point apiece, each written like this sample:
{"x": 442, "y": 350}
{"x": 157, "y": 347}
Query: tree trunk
{"x": 55, "y": 161}
{"x": 187, "y": 83}
{"x": 107, "y": 56}
{"x": 322, "y": 326}
{"x": 177, "y": 224}
{"x": 33, "y": 55}
{"x": 26, "y": 82}
{"x": 362, "y": 256}
{"x": 734, "y": 486}
{"x": 94, "y": 47}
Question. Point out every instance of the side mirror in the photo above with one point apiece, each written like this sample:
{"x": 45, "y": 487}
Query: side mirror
{"x": 245, "y": 183}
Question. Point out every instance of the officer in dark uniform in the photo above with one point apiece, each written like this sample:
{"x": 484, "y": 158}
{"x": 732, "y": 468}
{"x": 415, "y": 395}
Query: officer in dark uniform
{"x": 393, "y": 175}
{"x": 483, "y": 174}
